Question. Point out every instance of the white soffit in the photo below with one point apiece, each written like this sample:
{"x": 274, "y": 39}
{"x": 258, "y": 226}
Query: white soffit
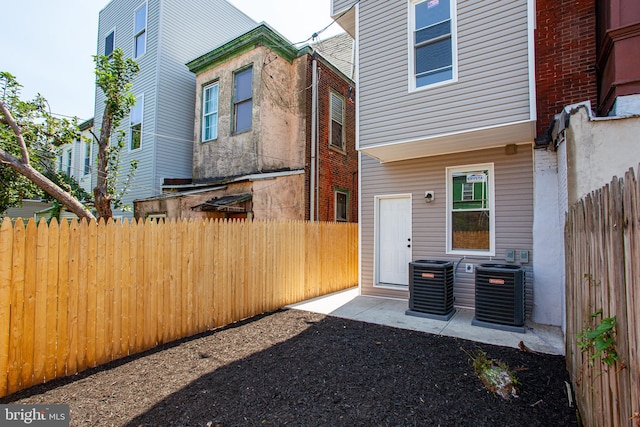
{"x": 478, "y": 139}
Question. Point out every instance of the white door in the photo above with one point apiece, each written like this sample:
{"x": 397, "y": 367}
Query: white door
{"x": 393, "y": 249}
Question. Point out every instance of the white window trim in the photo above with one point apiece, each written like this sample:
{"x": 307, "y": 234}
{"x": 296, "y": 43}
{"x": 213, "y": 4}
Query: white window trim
{"x": 492, "y": 209}
{"x": 342, "y": 146}
{"x": 144, "y": 30}
{"x": 202, "y": 113}
{"x": 411, "y": 51}
{"x": 113, "y": 30}
{"x": 139, "y": 101}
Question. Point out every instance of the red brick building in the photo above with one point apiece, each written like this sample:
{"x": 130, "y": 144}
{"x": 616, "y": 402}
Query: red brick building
{"x": 585, "y": 51}
{"x": 335, "y": 163}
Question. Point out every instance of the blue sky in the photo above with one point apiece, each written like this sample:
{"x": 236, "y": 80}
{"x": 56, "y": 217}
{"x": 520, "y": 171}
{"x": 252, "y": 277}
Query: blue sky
{"x": 48, "y": 44}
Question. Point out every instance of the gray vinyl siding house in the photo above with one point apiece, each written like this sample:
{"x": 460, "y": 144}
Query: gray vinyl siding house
{"x": 176, "y": 32}
{"x": 421, "y": 127}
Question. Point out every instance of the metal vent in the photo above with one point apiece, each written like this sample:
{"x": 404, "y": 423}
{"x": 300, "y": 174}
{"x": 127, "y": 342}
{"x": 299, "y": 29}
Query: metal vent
{"x": 500, "y": 297}
{"x": 431, "y": 289}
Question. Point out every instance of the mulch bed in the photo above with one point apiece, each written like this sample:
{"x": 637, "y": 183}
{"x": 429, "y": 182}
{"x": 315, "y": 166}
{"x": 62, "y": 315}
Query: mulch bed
{"x": 298, "y": 368}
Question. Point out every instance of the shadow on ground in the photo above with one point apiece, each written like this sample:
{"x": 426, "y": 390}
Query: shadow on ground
{"x": 342, "y": 372}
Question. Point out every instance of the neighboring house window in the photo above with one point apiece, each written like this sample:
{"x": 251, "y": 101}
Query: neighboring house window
{"x": 140, "y": 31}
{"x": 210, "y": 112}
{"x": 135, "y": 138}
{"x": 470, "y": 210}
{"x": 87, "y": 158}
{"x": 67, "y": 166}
{"x": 109, "y": 43}
{"x": 341, "y": 203}
{"x": 242, "y": 100}
{"x": 433, "y": 35}
{"x": 157, "y": 217}
{"x": 336, "y": 130}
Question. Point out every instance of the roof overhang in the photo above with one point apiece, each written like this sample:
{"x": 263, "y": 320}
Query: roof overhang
{"x": 477, "y": 139}
{"x": 347, "y": 20}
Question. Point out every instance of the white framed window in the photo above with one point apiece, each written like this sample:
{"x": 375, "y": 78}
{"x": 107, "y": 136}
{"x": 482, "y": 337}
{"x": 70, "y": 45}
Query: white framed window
{"x": 68, "y": 162}
{"x": 210, "y": 112}
{"x": 432, "y": 42}
{"x": 242, "y": 100}
{"x": 336, "y": 129}
{"x": 341, "y": 205}
{"x": 140, "y": 31}
{"x": 109, "y": 43}
{"x": 471, "y": 210}
{"x": 135, "y": 127}
{"x": 87, "y": 158}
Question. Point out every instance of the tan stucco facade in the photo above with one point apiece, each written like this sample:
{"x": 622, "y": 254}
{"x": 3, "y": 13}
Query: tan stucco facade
{"x": 276, "y": 138}
{"x": 280, "y": 197}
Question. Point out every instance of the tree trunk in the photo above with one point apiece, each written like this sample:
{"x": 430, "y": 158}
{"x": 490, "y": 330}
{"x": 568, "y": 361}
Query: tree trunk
{"x": 102, "y": 197}
{"x": 47, "y": 185}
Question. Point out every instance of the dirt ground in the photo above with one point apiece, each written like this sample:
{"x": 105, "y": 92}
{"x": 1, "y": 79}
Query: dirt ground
{"x": 304, "y": 369}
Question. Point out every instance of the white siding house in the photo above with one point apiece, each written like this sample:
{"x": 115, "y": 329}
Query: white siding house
{"x": 162, "y": 35}
{"x": 446, "y": 106}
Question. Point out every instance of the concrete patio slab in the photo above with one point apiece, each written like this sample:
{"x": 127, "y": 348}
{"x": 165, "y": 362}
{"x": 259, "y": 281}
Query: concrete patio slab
{"x": 350, "y": 304}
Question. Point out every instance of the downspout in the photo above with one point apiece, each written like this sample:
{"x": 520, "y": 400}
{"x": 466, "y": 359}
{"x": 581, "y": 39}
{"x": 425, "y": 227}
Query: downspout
{"x": 314, "y": 112}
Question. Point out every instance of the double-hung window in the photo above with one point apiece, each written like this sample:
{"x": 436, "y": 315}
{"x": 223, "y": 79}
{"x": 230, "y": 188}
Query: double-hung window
{"x": 140, "y": 31}
{"x": 109, "y": 43}
{"x": 135, "y": 128}
{"x": 433, "y": 42}
{"x": 210, "y": 112}
{"x": 336, "y": 130}
{"x": 242, "y": 100}
{"x": 470, "y": 210}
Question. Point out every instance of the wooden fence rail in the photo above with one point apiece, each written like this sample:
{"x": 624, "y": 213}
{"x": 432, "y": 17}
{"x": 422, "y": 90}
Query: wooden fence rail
{"x": 602, "y": 239}
{"x": 77, "y": 295}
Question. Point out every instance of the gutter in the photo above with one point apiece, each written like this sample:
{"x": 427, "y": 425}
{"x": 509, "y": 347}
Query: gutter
{"x": 314, "y": 113}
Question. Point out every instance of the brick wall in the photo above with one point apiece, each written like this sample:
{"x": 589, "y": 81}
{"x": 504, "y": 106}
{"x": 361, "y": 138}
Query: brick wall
{"x": 337, "y": 169}
{"x": 565, "y": 39}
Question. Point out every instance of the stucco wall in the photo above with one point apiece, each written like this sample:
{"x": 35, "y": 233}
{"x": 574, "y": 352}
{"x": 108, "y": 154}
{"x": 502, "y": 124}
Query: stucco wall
{"x": 274, "y": 141}
{"x": 548, "y": 243}
{"x": 281, "y": 198}
{"x": 597, "y": 150}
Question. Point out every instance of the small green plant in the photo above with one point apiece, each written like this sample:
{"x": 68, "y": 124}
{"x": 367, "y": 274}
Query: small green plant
{"x": 598, "y": 339}
{"x": 494, "y": 374}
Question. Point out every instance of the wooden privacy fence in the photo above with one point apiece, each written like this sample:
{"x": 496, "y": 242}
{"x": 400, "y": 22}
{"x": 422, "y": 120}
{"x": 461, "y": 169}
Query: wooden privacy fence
{"x": 77, "y": 295}
{"x": 602, "y": 246}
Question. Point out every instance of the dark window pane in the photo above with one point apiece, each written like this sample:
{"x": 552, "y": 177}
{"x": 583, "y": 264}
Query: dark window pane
{"x": 108, "y": 44}
{"x": 336, "y": 134}
{"x": 433, "y": 32}
{"x": 341, "y": 207}
{"x": 470, "y": 230}
{"x": 243, "y": 85}
{"x": 430, "y": 12}
{"x": 243, "y": 116}
{"x": 141, "y": 44}
{"x": 433, "y": 56}
{"x": 136, "y": 133}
